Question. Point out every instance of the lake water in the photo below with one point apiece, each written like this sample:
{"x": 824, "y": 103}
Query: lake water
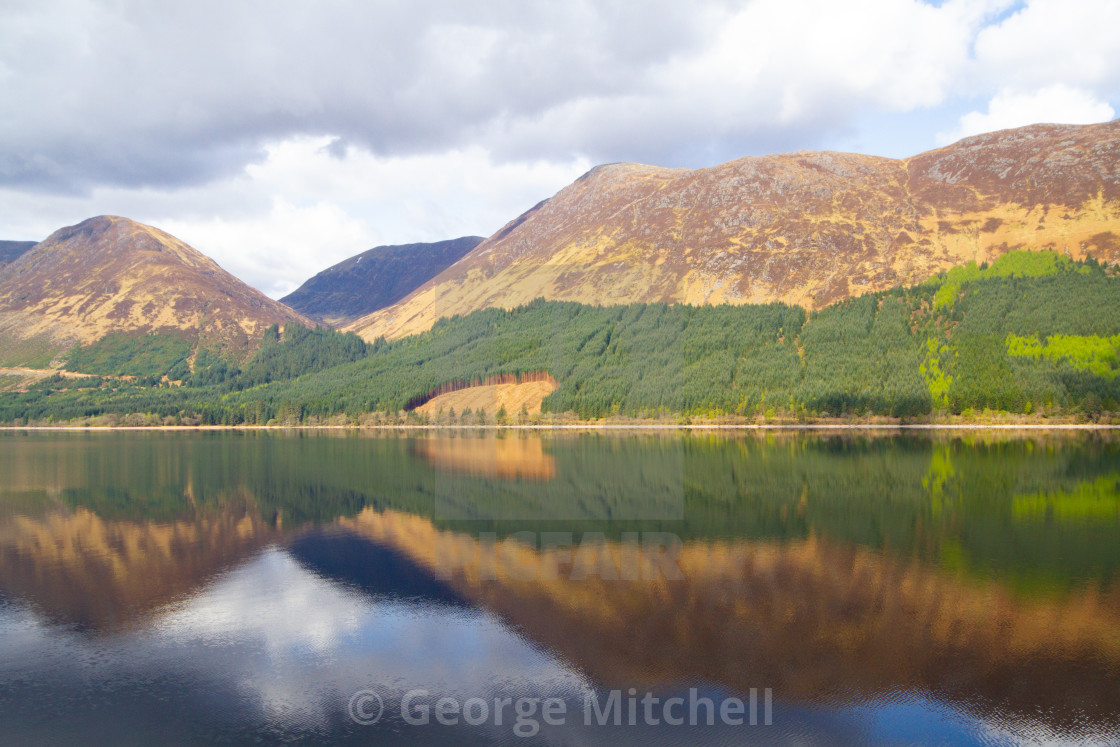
{"x": 573, "y": 588}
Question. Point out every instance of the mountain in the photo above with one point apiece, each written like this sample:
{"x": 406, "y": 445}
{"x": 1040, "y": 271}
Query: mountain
{"x": 375, "y": 279}
{"x": 807, "y": 228}
{"x": 111, "y": 274}
{"x": 11, "y": 250}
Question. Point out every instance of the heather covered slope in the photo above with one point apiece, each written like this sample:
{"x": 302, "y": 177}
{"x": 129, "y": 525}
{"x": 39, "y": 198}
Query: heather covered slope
{"x": 375, "y": 279}
{"x": 110, "y": 275}
{"x": 806, "y": 228}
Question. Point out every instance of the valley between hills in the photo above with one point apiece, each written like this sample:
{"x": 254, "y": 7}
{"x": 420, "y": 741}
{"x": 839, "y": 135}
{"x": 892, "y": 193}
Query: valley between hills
{"x": 975, "y": 283}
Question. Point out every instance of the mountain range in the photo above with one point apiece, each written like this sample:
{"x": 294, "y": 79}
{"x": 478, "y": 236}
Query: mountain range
{"x": 807, "y": 229}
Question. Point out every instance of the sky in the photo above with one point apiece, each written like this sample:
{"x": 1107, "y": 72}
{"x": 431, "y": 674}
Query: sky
{"x": 282, "y": 136}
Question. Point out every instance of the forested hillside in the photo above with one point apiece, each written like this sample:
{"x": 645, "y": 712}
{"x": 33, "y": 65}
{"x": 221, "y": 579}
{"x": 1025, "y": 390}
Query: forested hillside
{"x": 1035, "y": 333}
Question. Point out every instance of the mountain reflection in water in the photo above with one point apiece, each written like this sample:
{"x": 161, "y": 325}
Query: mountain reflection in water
{"x": 496, "y": 457}
{"x": 242, "y": 587}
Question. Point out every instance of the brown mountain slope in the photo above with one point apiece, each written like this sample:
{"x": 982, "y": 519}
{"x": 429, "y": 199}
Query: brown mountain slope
{"x": 110, "y": 274}
{"x": 807, "y": 228}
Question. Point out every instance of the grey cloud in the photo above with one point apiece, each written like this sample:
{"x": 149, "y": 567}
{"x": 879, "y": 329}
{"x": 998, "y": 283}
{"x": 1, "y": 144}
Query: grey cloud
{"x": 71, "y": 166}
{"x": 136, "y": 93}
{"x": 337, "y": 148}
{"x": 133, "y": 93}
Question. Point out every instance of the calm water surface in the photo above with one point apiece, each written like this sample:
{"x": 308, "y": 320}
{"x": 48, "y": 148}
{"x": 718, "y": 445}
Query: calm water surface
{"x": 328, "y": 587}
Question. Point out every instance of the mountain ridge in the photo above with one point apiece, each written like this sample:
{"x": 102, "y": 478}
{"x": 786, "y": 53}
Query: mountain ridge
{"x": 376, "y": 278}
{"x": 809, "y": 228}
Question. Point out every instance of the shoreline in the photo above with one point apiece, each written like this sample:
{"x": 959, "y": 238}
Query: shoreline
{"x": 594, "y": 427}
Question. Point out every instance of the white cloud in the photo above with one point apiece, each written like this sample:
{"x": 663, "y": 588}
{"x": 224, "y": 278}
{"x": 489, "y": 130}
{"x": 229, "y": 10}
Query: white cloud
{"x": 1048, "y": 42}
{"x": 770, "y": 75}
{"x": 810, "y": 55}
{"x": 324, "y": 209}
{"x": 300, "y": 209}
{"x": 276, "y": 250}
{"x": 1053, "y": 104}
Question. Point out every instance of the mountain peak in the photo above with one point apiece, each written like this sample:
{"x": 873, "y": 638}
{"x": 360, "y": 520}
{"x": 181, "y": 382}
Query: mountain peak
{"x": 89, "y": 228}
{"x": 112, "y": 234}
{"x": 112, "y": 274}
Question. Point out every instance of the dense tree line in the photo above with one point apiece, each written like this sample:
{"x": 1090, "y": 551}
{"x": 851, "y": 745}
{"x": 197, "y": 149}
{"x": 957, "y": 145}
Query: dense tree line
{"x": 142, "y": 355}
{"x": 904, "y": 353}
{"x": 298, "y": 351}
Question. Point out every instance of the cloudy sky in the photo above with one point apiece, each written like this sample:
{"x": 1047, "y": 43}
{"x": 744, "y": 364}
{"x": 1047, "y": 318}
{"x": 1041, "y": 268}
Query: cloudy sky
{"x": 281, "y": 136}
